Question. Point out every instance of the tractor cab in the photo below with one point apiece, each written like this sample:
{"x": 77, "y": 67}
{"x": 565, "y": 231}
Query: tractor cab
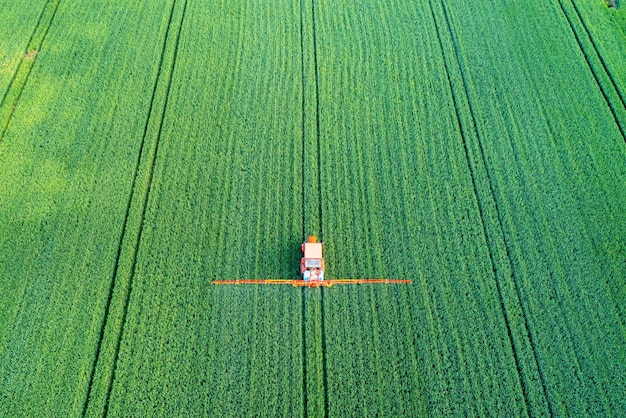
{"x": 312, "y": 263}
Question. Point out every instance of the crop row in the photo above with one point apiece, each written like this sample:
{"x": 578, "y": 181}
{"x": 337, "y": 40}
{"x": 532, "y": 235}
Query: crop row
{"x": 598, "y": 65}
{"x": 605, "y": 29}
{"x": 551, "y": 150}
{"x": 518, "y": 164}
{"x": 114, "y": 315}
{"x": 68, "y": 159}
{"x": 225, "y": 202}
{"x": 392, "y": 144}
{"x": 18, "y": 24}
{"x": 471, "y": 148}
{"x": 24, "y": 29}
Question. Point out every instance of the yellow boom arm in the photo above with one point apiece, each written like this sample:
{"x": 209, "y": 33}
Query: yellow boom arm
{"x": 312, "y": 283}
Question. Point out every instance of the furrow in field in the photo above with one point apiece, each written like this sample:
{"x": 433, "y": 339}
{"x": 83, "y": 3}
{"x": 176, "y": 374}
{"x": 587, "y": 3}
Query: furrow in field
{"x": 115, "y": 310}
{"x": 519, "y": 336}
{"x": 323, "y": 347}
{"x": 606, "y": 29}
{"x": 600, "y": 196}
{"x": 303, "y": 128}
{"x": 314, "y": 314}
{"x": 318, "y": 156}
{"x": 16, "y": 60}
{"x": 399, "y": 202}
{"x": 597, "y": 66}
{"x": 303, "y": 328}
{"x": 67, "y": 167}
{"x": 315, "y": 364}
{"x": 518, "y": 330}
{"x": 555, "y": 161}
{"x": 20, "y": 20}
{"x": 312, "y": 181}
{"x": 225, "y": 203}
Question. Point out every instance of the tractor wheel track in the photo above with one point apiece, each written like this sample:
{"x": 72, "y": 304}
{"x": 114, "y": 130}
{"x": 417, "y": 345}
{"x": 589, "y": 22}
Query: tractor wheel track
{"x": 143, "y": 152}
{"x": 145, "y": 201}
{"x": 317, "y": 151}
{"x": 588, "y": 59}
{"x": 17, "y": 84}
{"x": 480, "y": 204}
{"x": 320, "y": 201}
{"x": 303, "y": 290}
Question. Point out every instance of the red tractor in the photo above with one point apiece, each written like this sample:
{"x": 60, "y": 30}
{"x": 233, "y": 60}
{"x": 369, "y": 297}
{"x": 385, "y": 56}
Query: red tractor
{"x": 312, "y": 263}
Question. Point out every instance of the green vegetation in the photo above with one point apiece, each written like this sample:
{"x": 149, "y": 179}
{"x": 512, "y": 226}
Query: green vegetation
{"x": 18, "y": 20}
{"x": 476, "y": 148}
{"x": 225, "y": 201}
{"x": 23, "y": 26}
{"x": 68, "y": 159}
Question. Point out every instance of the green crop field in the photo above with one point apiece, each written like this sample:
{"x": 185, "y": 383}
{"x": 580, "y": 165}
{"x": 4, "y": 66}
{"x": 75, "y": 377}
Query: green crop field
{"x": 149, "y": 148}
